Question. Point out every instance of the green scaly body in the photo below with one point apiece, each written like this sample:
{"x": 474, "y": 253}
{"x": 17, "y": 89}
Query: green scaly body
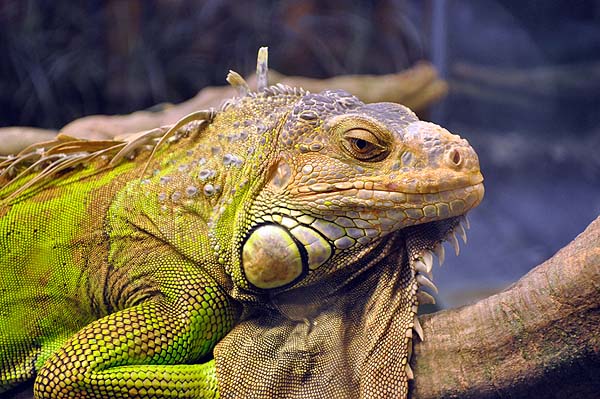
{"x": 119, "y": 280}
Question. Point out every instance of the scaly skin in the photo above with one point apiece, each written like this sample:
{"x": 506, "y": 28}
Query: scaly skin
{"x": 116, "y": 286}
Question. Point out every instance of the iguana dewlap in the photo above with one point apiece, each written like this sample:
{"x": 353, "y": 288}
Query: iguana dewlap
{"x": 290, "y": 230}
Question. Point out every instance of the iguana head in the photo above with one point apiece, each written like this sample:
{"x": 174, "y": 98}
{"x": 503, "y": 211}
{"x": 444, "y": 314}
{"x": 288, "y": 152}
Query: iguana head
{"x": 345, "y": 176}
{"x": 336, "y": 235}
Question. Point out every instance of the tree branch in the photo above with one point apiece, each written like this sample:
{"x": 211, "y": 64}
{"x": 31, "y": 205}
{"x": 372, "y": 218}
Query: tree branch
{"x": 16, "y": 138}
{"x": 416, "y": 88}
{"x": 538, "y": 339}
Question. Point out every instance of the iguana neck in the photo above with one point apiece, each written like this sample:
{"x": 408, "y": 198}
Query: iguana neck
{"x": 305, "y": 302}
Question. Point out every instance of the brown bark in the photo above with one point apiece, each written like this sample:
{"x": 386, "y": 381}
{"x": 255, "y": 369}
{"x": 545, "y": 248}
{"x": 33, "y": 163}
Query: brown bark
{"x": 538, "y": 339}
{"x": 14, "y": 139}
{"x": 416, "y": 88}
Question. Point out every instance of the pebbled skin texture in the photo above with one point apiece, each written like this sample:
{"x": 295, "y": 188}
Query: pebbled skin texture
{"x": 112, "y": 285}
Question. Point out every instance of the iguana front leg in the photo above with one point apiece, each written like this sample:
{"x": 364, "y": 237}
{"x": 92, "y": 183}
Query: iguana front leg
{"x": 146, "y": 351}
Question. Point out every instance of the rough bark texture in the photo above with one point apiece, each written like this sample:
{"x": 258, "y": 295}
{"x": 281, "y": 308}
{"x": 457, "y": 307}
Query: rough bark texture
{"x": 416, "y": 88}
{"x": 538, "y": 339}
{"x": 14, "y": 139}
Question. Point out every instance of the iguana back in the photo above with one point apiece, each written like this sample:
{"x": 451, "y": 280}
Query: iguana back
{"x": 49, "y": 237}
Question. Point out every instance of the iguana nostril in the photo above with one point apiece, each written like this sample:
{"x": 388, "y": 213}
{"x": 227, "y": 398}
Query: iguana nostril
{"x": 455, "y": 157}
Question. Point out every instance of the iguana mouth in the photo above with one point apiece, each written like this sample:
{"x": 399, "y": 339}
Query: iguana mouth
{"x": 378, "y": 199}
{"x": 397, "y": 210}
{"x": 346, "y": 186}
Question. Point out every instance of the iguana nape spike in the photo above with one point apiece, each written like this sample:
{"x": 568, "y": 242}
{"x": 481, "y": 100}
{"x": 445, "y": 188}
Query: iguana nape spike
{"x": 238, "y": 82}
{"x": 262, "y": 69}
{"x": 204, "y": 115}
{"x": 140, "y": 139}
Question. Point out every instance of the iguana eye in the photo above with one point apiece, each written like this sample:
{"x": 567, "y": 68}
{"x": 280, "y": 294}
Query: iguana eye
{"x": 364, "y": 145}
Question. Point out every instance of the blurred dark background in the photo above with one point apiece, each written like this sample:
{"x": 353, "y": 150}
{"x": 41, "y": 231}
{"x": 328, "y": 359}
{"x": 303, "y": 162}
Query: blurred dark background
{"x": 524, "y": 81}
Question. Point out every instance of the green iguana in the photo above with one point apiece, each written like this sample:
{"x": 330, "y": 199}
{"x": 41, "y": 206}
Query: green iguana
{"x": 298, "y": 226}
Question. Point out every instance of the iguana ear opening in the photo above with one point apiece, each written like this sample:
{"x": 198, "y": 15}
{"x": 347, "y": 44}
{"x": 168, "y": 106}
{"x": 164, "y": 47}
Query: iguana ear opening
{"x": 281, "y": 174}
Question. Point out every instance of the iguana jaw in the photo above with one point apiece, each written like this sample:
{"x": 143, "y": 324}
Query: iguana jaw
{"x": 285, "y": 248}
{"x": 312, "y": 227}
{"x": 394, "y": 209}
